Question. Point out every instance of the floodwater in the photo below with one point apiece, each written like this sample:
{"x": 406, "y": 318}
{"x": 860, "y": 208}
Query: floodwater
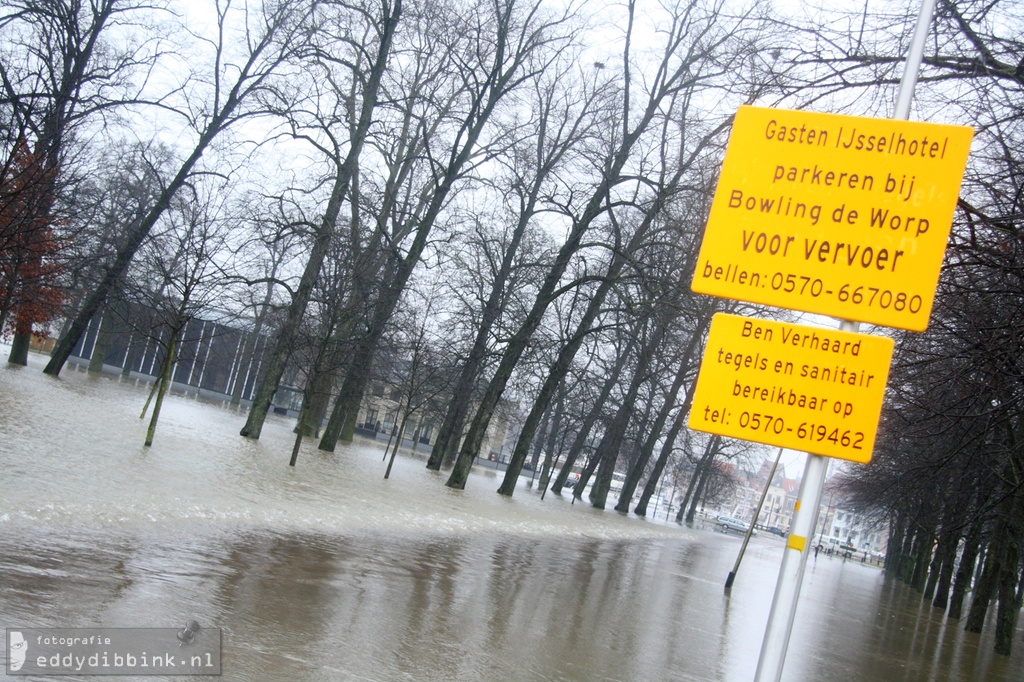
{"x": 328, "y": 572}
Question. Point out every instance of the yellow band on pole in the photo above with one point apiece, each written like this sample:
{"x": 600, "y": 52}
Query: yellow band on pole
{"x": 796, "y": 542}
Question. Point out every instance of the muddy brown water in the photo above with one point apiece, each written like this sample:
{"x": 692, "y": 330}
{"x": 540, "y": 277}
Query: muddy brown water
{"x": 329, "y": 572}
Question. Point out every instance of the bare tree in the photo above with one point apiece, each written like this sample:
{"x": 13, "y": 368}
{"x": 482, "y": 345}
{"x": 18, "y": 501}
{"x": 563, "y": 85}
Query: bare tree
{"x": 186, "y": 261}
{"x": 509, "y": 43}
{"x": 561, "y": 119}
{"x": 365, "y": 59}
{"x": 268, "y": 37}
{"x": 60, "y": 70}
{"x": 694, "y": 35}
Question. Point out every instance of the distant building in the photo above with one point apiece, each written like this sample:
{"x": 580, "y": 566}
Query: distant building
{"x": 841, "y": 525}
{"x": 220, "y": 356}
{"x": 779, "y": 502}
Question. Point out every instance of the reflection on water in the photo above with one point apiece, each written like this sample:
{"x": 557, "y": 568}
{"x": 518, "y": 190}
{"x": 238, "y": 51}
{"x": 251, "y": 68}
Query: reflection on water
{"x": 328, "y": 572}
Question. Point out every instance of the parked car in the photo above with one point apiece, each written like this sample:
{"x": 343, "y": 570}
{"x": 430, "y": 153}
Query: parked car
{"x": 727, "y": 523}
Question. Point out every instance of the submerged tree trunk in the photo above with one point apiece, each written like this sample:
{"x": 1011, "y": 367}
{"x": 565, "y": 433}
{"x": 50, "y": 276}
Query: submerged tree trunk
{"x": 710, "y": 450}
{"x": 102, "y": 342}
{"x": 637, "y": 470}
{"x": 163, "y": 381}
{"x": 608, "y": 449}
{"x": 905, "y": 568}
{"x": 947, "y": 549}
{"x": 666, "y": 451}
{"x": 962, "y": 581}
{"x": 607, "y": 453}
{"x": 580, "y": 441}
{"x": 555, "y": 375}
{"x": 314, "y": 407}
{"x": 698, "y": 494}
{"x": 677, "y": 423}
{"x": 984, "y": 589}
{"x": 1009, "y": 575}
{"x": 324, "y": 233}
{"x": 585, "y": 475}
{"x": 551, "y": 447}
{"x": 934, "y": 569}
{"x": 922, "y": 560}
{"x": 406, "y": 413}
{"x": 20, "y": 344}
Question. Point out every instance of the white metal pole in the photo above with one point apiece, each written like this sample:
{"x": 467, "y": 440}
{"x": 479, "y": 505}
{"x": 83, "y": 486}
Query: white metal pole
{"x": 914, "y": 58}
{"x": 794, "y": 560}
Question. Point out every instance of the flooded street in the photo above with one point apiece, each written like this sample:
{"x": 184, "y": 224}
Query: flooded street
{"x": 329, "y": 572}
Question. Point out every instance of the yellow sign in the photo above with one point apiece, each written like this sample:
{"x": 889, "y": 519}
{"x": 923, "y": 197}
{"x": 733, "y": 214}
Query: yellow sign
{"x": 838, "y": 215}
{"x": 792, "y": 386}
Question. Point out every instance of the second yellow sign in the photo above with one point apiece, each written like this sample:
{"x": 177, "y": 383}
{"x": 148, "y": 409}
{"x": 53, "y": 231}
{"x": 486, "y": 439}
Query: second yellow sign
{"x": 792, "y": 386}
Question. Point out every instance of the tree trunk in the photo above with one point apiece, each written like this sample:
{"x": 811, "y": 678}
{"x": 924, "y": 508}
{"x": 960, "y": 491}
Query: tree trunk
{"x": 19, "y": 348}
{"x": 324, "y": 234}
{"x": 962, "y": 581}
{"x": 250, "y": 342}
{"x": 1002, "y": 562}
{"x": 551, "y": 447}
{"x": 163, "y": 381}
{"x": 948, "y": 542}
{"x": 893, "y": 551}
{"x": 538, "y": 442}
{"x": 585, "y": 475}
{"x": 1009, "y": 575}
{"x": 103, "y": 339}
{"x": 315, "y": 408}
{"x": 638, "y": 468}
{"x": 937, "y": 563}
{"x": 127, "y": 361}
{"x": 905, "y": 570}
{"x": 984, "y": 589}
{"x": 555, "y": 374}
{"x": 690, "y": 486}
{"x": 666, "y": 451}
{"x": 698, "y": 493}
{"x": 398, "y": 438}
{"x": 580, "y": 441}
{"x": 677, "y": 424}
{"x": 611, "y": 442}
{"x": 1020, "y": 591}
{"x": 710, "y": 450}
{"x": 922, "y": 560}
{"x": 607, "y": 453}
